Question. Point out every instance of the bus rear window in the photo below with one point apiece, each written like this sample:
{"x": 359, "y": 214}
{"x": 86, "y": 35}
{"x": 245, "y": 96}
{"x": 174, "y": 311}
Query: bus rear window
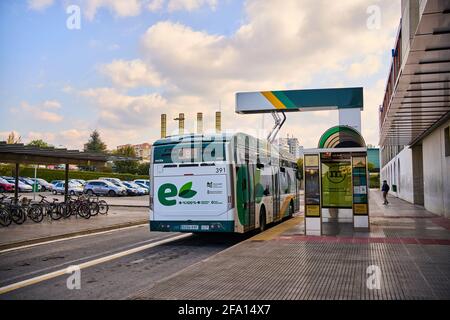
{"x": 183, "y": 152}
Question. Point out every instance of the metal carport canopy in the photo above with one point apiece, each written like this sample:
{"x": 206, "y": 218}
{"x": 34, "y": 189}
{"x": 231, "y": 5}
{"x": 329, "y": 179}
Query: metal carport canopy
{"x": 21, "y": 154}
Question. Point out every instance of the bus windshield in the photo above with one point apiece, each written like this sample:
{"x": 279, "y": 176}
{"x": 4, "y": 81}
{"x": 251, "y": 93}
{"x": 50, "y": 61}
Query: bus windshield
{"x": 189, "y": 152}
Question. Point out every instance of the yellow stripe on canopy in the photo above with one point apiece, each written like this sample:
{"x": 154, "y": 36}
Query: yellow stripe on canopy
{"x": 273, "y": 100}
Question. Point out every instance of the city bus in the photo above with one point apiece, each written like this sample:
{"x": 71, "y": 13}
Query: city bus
{"x": 220, "y": 183}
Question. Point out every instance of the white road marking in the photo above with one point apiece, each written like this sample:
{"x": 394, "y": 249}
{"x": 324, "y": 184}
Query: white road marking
{"x": 87, "y": 264}
{"x": 70, "y": 238}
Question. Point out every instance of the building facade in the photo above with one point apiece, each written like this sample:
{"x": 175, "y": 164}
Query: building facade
{"x": 291, "y": 145}
{"x": 142, "y": 150}
{"x": 415, "y": 114}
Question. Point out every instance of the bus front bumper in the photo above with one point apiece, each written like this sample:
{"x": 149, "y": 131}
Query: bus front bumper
{"x": 192, "y": 226}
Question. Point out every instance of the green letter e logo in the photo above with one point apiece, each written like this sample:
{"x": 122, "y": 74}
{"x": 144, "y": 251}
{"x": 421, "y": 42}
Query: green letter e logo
{"x": 167, "y": 190}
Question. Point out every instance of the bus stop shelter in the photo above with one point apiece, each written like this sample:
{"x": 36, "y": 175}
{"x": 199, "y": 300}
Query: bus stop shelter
{"x": 336, "y": 180}
{"x": 20, "y": 154}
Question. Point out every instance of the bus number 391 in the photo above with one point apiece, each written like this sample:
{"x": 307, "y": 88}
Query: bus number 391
{"x": 220, "y": 170}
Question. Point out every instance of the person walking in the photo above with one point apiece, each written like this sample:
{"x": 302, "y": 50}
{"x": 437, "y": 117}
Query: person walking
{"x": 385, "y": 189}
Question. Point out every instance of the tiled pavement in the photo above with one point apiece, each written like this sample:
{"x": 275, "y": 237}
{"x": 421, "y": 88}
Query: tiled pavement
{"x": 409, "y": 246}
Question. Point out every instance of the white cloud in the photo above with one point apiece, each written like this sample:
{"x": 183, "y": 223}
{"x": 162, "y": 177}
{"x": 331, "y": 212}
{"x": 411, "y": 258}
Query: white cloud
{"x": 121, "y": 8}
{"x": 190, "y": 5}
{"x": 368, "y": 67}
{"x": 118, "y": 110}
{"x": 39, "y": 5}
{"x": 155, "y": 5}
{"x": 38, "y": 112}
{"x": 130, "y": 74}
{"x": 51, "y": 104}
{"x": 296, "y": 45}
{"x": 70, "y": 138}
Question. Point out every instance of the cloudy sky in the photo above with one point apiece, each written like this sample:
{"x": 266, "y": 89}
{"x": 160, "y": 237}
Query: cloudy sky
{"x": 132, "y": 60}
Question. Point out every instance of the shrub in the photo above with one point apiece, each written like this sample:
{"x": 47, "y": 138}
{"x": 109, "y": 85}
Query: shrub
{"x": 50, "y": 174}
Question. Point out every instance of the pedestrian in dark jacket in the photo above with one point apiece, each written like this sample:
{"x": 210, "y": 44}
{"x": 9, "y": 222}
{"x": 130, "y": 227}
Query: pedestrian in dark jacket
{"x": 385, "y": 189}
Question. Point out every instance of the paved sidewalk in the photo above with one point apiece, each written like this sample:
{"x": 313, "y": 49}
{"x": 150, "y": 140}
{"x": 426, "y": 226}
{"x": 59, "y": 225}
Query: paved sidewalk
{"x": 30, "y": 232}
{"x": 408, "y": 245}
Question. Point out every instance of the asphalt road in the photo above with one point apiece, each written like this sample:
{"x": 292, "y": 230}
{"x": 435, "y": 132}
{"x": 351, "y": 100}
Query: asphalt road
{"x": 113, "y": 279}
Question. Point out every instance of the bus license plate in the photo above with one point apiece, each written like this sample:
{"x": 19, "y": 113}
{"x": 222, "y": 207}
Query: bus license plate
{"x": 189, "y": 227}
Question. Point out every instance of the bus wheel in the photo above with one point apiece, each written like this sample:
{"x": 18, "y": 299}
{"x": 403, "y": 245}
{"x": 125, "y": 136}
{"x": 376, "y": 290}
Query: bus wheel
{"x": 262, "y": 220}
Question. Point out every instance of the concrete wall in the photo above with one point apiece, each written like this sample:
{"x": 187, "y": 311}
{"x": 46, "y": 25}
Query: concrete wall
{"x": 399, "y": 172}
{"x": 422, "y": 174}
{"x": 436, "y": 172}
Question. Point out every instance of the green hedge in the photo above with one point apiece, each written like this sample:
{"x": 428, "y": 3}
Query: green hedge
{"x": 49, "y": 174}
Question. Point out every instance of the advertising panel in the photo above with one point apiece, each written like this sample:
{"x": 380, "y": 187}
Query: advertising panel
{"x": 336, "y": 185}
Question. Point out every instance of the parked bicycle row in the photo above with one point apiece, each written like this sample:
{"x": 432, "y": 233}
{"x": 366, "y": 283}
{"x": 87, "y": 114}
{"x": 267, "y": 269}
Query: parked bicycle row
{"x": 101, "y": 186}
{"x": 18, "y": 211}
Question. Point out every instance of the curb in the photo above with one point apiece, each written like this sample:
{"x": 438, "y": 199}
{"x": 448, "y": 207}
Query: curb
{"x": 72, "y": 234}
{"x": 128, "y": 206}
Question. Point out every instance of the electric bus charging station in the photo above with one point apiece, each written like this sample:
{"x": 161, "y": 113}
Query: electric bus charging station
{"x": 335, "y": 173}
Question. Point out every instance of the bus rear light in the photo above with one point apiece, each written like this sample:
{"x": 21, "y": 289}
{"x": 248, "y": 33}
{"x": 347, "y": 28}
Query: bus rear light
{"x": 151, "y": 202}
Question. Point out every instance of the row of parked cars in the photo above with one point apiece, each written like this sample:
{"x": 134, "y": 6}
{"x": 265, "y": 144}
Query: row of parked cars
{"x": 101, "y": 186}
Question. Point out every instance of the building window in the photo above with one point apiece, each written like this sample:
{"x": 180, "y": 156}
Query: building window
{"x": 447, "y": 141}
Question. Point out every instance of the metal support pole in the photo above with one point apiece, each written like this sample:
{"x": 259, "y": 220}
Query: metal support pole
{"x": 66, "y": 183}
{"x": 35, "y": 184}
{"x": 16, "y": 183}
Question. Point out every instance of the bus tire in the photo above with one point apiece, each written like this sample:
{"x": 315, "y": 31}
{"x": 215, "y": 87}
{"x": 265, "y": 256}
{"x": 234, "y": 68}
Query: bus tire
{"x": 262, "y": 219}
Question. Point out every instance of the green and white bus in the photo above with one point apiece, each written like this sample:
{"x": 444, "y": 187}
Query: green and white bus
{"x": 220, "y": 183}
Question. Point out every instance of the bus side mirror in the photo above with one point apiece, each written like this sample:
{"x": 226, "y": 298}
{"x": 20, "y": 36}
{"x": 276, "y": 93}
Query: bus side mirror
{"x": 259, "y": 165}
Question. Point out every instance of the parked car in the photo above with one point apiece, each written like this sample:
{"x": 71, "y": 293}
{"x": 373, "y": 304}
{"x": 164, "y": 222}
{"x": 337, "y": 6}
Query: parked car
{"x": 143, "y": 183}
{"x": 103, "y": 187}
{"x": 113, "y": 180}
{"x": 45, "y": 186}
{"x": 133, "y": 189}
{"x": 141, "y": 190}
{"x": 75, "y": 181}
{"x": 22, "y": 187}
{"x": 73, "y": 188}
{"x": 81, "y": 181}
{"x": 6, "y": 186}
{"x": 30, "y": 182}
{"x": 54, "y": 182}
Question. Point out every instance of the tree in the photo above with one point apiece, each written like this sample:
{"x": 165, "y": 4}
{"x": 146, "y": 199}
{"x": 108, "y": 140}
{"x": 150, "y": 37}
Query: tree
{"x": 39, "y": 143}
{"x": 144, "y": 169}
{"x": 95, "y": 144}
{"x": 300, "y": 168}
{"x": 12, "y": 139}
{"x": 126, "y": 166}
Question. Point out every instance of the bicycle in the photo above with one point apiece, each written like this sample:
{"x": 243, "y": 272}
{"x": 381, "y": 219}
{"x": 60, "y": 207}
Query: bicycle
{"x": 5, "y": 215}
{"x": 78, "y": 206}
{"x": 32, "y": 210}
{"x": 100, "y": 206}
{"x": 15, "y": 210}
{"x": 54, "y": 210}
